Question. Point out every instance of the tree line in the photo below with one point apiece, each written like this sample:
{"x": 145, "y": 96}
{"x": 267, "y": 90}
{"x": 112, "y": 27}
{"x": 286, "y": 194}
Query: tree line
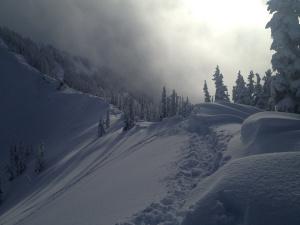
{"x": 255, "y": 91}
{"x": 278, "y": 89}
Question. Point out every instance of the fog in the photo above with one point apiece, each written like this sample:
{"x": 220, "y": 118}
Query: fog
{"x": 177, "y": 43}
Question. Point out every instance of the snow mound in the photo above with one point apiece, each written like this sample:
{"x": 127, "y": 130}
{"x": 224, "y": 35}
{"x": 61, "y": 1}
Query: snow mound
{"x": 227, "y": 111}
{"x": 257, "y": 190}
{"x": 269, "y": 132}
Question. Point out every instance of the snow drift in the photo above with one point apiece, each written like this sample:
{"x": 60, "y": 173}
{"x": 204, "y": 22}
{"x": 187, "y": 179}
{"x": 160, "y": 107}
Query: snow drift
{"x": 256, "y": 190}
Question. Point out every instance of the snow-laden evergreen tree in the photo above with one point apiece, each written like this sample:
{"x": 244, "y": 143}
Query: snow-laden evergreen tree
{"x": 258, "y": 93}
{"x": 267, "y": 98}
{"x": 221, "y": 89}
{"x": 285, "y": 30}
{"x": 40, "y": 159}
{"x": 129, "y": 115}
{"x": 240, "y": 93}
{"x": 173, "y": 103}
{"x": 107, "y": 119}
{"x": 101, "y": 128}
{"x": 164, "y": 112}
{"x": 207, "y": 97}
{"x": 251, "y": 86}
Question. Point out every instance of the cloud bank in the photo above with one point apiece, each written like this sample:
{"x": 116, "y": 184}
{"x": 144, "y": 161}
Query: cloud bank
{"x": 176, "y": 43}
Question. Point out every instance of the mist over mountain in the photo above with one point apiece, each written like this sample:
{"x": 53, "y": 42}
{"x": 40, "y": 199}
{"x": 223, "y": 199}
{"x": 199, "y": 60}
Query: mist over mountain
{"x": 151, "y": 43}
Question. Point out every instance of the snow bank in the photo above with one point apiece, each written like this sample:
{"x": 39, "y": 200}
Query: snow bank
{"x": 225, "y": 111}
{"x": 257, "y": 190}
{"x": 269, "y": 132}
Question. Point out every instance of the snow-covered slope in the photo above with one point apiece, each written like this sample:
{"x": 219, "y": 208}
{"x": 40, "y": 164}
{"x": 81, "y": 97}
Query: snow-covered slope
{"x": 87, "y": 180}
{"x": 262, "y": 184}
{"x": 226, "y": 164}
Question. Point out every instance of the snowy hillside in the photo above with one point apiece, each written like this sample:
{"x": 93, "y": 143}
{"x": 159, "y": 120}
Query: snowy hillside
{"x": 226, "y": 164}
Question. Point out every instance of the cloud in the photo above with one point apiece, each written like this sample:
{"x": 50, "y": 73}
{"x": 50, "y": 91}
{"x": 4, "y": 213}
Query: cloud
{"x": 152, "y": 43}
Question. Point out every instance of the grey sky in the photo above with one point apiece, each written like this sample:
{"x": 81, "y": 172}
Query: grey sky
{"x": 173, "y": 42}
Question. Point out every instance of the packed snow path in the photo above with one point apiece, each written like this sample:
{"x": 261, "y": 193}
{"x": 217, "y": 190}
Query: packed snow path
{"x": 201, "y": 156}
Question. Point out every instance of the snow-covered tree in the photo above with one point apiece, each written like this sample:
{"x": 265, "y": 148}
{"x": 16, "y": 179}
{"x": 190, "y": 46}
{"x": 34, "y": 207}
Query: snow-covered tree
{"x": 40, "y": 159}
{"x": 107, "y": 119}
{"x": 164, "y": 112}
{"x": 207, "y": 97}
{"x": 221, "y": 89}
{"x": 285, "y": 30}
{"x": 240, "y": 93}
{"x": 258, "y": 93}
{"x": 267, "y": 98}
{"x": 17, "y": 161}
{"x": 101, "y": 128}
{"x": 129, "y": 115}
{"x": 173, "y": 103}
{"x": 251, "y": 86}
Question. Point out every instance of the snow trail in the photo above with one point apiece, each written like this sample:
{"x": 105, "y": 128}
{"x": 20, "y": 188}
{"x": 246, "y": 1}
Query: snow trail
{"x": 201, "y": 156}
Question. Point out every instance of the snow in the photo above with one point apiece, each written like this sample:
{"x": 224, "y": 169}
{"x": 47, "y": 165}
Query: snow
{"x": 260, "y": 184}
{"x": 226, "y": 164}
{"x": 256, "y": 190}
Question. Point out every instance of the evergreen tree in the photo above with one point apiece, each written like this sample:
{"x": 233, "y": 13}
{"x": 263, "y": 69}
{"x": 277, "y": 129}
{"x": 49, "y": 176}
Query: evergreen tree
{"x": 107, "y": 120}
{"x": 251, "y": 87}
{"x": 164, "y": 112}
{"x": 258, "y": 93}
{"x": 173, "y": 105}
{"x": 40, "y": 161}
{"x": 285, "y": 32}
{"x": 207, "y": 97}
{"x": 129, "y": 115}
{"x": 240, "y": 92}
{"x": 267, "y": 98}
{"x": 101, "y": 128}
{"x": 221, "y": 89}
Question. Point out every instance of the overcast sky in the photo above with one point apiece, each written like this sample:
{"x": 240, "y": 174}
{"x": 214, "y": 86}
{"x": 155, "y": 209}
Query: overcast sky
{"x": 172, "y": 42}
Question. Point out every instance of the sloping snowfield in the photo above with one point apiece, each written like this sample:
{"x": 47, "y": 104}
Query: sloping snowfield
{"x": 226, "y": 164}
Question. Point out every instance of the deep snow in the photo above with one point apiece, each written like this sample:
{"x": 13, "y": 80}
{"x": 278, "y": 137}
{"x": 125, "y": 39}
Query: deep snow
{"x": 226, "y": 164}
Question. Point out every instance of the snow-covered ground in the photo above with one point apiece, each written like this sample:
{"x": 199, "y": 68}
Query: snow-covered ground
{"x": 226, "y": 164}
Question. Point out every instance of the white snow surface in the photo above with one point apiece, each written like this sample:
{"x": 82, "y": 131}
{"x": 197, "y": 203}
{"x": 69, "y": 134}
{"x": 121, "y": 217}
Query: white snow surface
{"x": 226, "y": 164}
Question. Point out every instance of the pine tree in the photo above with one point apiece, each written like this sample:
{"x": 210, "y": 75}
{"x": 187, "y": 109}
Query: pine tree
{"x": 164, "y": 112}
{"x": 221, "y": 89}
{"x": 173, "y": 105}
{"x": 107, "y": 120}
{"x": 251, "y": 86}
{"x": 258, "y": 93}
{"x": 40, "y": 161}
{"x": 101, "y": 128}
{"x": 207, "y": 97}
{"x": 267, "y": 98}
{"x": 129, "y": 115}
{"x": 285, "y": 32}
{"x": 240, "y": 92}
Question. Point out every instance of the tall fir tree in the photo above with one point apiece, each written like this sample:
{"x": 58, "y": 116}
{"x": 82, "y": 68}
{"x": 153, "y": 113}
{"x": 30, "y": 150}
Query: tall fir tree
{"x": 251, "y": 86}
{"x": 285, "y": 32}
{"x": 221, "y": 89}
{"x": 107, "y": 119}
{"x": 164, "y": 112}
{"x": 240, "y": 92}
{"x": 207, "y": 97}
{"x": 258, "y": 93}
{"x": 129, "y": 115}
{"x": 267, "y": 97}
{"x": 101, "y": 128}
{"x": 173, "y": 105}
{"x": 40, "y": 159}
